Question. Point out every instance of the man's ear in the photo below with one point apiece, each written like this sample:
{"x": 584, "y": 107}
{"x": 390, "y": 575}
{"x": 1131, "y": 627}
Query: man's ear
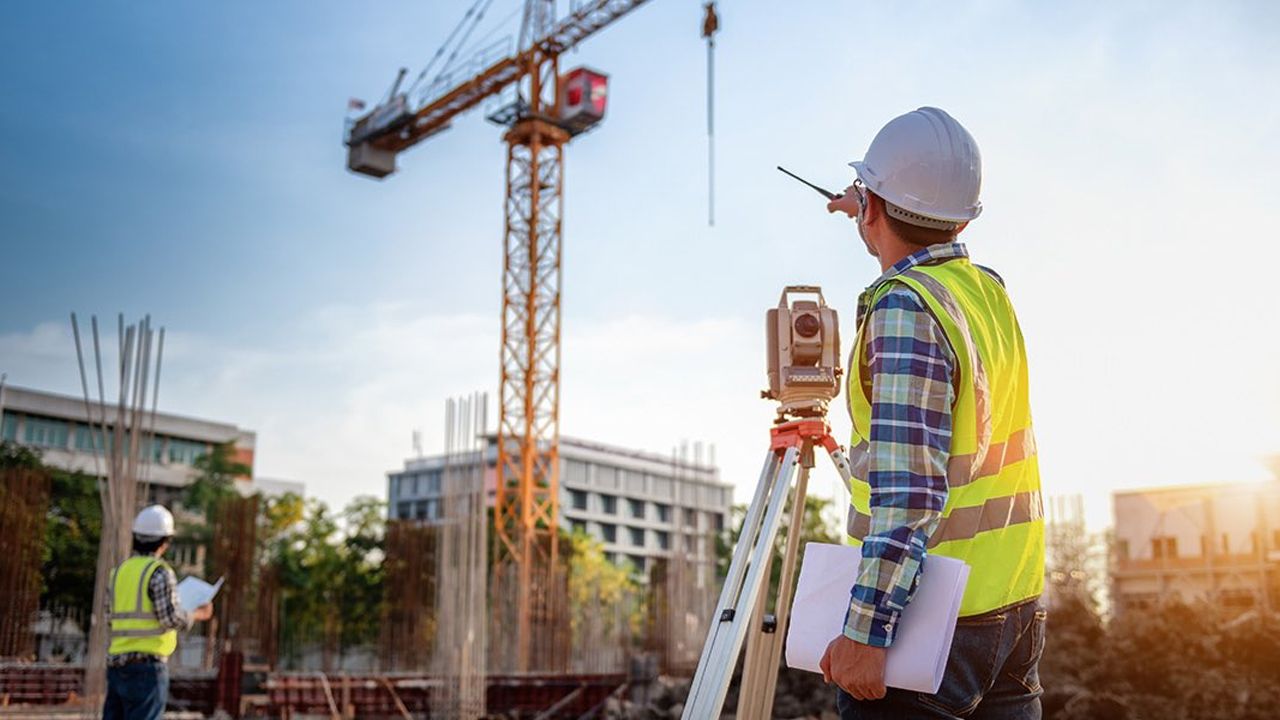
{"x": 875, "y": 209}
{"x": 963, "y": 225}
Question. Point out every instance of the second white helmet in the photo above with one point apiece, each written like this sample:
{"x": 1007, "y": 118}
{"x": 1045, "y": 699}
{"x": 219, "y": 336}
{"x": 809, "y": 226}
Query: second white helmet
{"x": 926, "y": 167}
{"x": 153, "y": 521}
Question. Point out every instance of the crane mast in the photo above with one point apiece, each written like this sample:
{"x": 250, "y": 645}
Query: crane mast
{"x": 527, "y": 577}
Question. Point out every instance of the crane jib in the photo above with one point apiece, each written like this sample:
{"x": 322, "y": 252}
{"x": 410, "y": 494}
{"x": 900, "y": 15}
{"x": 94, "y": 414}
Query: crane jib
{"x": 393, "y": 127}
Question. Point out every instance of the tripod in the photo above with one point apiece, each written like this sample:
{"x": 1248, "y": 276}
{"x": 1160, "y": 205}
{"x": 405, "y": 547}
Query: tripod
{"x": 740, "y": 611}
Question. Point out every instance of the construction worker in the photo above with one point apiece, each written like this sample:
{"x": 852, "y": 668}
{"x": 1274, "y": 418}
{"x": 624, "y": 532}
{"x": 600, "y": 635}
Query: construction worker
{"x": 144, "y": 619}
{"x": 943, "y": 455}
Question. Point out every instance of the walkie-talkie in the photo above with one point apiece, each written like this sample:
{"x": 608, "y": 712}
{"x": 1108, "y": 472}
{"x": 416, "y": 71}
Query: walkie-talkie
{"x": 825, "y": 193}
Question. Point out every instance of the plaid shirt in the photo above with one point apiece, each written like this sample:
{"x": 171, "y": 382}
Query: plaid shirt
{"x": 910, "y": 366}
{"x": 162, "y": 589}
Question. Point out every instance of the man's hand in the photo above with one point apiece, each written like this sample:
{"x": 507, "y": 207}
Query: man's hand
{"x": 846, "y": 203}
{"x": 202, "y": 613}
{"x": 858, "y": 669}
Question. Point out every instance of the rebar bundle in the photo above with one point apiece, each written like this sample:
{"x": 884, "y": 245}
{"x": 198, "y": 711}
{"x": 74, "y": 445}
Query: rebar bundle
{"x": 409, "y": 591}
{"x": 24, "y": 500}
{"x": 233, "y": 557}
{"x": 123, "y": 435}
{"x": 462, "y": 561}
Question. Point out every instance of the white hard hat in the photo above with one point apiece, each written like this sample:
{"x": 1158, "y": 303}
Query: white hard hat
{"x": 153, "y": 521}
{"x": 926, "y": 167}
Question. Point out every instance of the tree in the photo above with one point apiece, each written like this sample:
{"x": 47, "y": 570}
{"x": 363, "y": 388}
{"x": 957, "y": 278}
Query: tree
{"x": 815, "y": 526}
{"x": 73, "y": 527}
{"x": 331, "y": 575}
{"x": 216, "y": 473}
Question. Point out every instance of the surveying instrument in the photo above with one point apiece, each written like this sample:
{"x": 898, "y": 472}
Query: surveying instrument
{"x": 804, "y": 376}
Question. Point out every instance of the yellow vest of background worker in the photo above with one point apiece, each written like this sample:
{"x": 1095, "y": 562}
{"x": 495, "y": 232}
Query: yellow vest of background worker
{"x": 993, "y": 517}
{"x": 134, "y": 626}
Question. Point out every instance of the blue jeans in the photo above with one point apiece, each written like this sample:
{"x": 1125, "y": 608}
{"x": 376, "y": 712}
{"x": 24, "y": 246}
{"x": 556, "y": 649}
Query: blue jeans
{"x": 992, "y": 674}
{"x": 137, "y": 691}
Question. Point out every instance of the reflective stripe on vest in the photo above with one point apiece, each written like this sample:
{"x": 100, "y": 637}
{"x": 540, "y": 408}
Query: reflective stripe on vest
{"x": 993, "y": 516}
{"x": 134, "y": 626}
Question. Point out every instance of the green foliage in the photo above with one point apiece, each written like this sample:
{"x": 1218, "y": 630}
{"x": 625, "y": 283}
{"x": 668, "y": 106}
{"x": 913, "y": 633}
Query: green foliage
{"x": 816, "y": 525}
{"x": 216, "y": 473}
{"x": 72, "y": 530}
{"x": 330, "y": 570}
{"x": 73, "y": 525}
{"x": 13, "y": 455}
{"x": 597, "y": 586}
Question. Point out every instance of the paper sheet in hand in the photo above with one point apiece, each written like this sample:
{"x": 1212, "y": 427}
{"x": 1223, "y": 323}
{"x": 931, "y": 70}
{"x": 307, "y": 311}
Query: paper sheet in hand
{"x": 918, "y": 656}
{"x": 194, "y": 592}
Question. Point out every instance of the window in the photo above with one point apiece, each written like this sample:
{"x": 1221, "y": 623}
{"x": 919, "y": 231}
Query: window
{"x": 1226, "y": 544}
{"x": 433, "y": 482}
{"x": 612, "y": 557}
{"x": 1122, "y": 549}
{"x": 578, "y": 499}
{"x": 609, "y": 504}
{"x": 1164, "y": 547}
{"x": 716, "y": 521}
{"x": 186, "y": 451}
{"x": 637, "y": 536}
{"x": 575, "y": 472}
{"x": 664, "y": 512}
{"x": 433, "y": 509}
{"x": 690, "y": 517}
{"x": 579, "y": 526}
{"x": 90, "y": 441}
{"x": 42, "y": 432}
{"x": 404, "y": 510}
{"x": 637, "y": 561}
{"x": 606, "y": 477}
{"x": 664, "y": 539}
{"x": 156, "y": 445}
{"x": 609, "y": 532}
{"x": 420, "y": 510}
{"x": 416, "y": 488}
{"x": 9, "y": 427}
{"x": 636, "y": 507}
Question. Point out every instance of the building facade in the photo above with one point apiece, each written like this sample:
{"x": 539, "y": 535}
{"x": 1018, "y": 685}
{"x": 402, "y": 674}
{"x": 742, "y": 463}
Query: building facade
{"x": 58, "y": 426}
{"x": 1215, "y": 542}
{"x": 639, "y": 505}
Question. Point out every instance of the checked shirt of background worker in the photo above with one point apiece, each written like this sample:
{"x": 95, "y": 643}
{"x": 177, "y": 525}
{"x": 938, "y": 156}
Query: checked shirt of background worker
{"x": 942, "y": 453}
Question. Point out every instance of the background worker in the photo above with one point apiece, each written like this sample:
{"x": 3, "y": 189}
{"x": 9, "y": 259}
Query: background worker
{"x": 943, "y": 453}
{"x": 144, "y": 619}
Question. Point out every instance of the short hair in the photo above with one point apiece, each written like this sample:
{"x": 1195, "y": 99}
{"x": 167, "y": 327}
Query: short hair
{"x": 915, "y": 234}
{"x": 148, "y": 544}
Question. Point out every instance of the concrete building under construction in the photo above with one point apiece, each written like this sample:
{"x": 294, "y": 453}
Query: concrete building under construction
{"x": 1215, "y": 542}
{"x": 640, "y": 505}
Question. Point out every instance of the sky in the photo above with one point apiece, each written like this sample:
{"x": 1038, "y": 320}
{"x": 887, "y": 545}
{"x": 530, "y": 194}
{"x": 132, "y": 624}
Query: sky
{"x": 185, "y": 160}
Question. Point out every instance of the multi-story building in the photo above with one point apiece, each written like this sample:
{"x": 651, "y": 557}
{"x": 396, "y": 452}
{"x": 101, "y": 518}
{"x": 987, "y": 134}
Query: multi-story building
{"x": 639, "y": 505}
{"x": 58, "y": 426}
{"x": 1216, "y": 542}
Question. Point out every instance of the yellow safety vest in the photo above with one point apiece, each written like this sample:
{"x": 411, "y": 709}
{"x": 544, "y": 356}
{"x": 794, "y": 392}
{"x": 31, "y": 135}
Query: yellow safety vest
{"x": 134, "y": 625}
{"x": 993, "y": 516}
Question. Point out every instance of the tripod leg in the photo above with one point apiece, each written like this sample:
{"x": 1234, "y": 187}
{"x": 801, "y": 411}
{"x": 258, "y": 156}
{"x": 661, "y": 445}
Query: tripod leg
{"x": 739, "y": 595}
{"x": 764, "y": 649}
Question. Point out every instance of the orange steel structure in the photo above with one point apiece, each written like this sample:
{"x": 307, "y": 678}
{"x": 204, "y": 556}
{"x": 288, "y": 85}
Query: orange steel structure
{"x": 525, "y": 508}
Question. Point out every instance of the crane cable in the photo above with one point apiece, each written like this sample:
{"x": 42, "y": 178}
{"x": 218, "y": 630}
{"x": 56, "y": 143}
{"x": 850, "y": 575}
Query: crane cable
{"x": 710, "y": 24}
{"x": 474, "y": 14}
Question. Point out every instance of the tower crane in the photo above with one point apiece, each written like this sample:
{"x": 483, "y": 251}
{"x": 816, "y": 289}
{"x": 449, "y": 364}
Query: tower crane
{"x": 549, "y": 108}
